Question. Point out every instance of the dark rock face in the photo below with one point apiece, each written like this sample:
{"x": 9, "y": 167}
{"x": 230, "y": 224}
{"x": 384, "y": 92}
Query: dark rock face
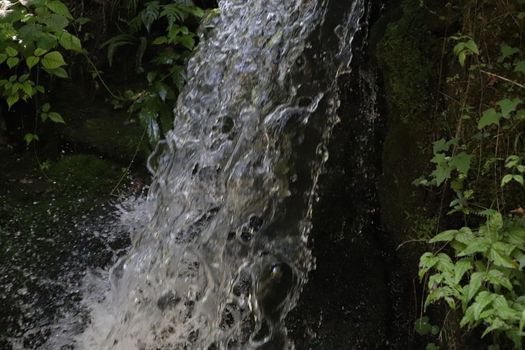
{"x": 352, "y": 300}
{"x": 52, "y": 228}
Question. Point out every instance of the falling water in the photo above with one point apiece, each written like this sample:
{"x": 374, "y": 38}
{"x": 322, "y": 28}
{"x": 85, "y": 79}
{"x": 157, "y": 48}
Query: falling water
{"x": 220, "y": 249}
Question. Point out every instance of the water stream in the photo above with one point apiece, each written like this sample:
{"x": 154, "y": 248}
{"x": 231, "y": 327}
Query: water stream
{"x": 219, "y": 251}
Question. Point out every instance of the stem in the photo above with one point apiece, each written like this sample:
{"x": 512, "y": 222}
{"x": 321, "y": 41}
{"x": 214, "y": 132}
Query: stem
{"x": 97, "y": 73}
{"x": 503, "y": 78}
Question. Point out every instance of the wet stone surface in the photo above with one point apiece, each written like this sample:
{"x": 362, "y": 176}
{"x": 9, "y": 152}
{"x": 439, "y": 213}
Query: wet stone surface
{"x": 55, "y": 224}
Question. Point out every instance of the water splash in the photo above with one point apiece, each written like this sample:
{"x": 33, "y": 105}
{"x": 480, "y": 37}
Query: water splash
{"x": 221, "y": 254}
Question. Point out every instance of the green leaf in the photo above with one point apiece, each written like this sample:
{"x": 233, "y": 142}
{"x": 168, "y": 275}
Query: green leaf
{"x": 500, "y": 260}
{"x": 150, "y": 14}
{"x": 460, "y": 268}
{"x": 443, "y": 169}
{"x": 520, "y": 67}
{"x": 30, "y": 138}
{"x": 30, "y": 32}
{"x": 462, "y": 56}
{"x": 522, "y": 320}
{"x": 516, "y": 235}
{"x": 56, "y": 118}
{"x": 160, "y": 40}
{"x": 497, "y": 278}
{"x": 70, "y": 42}
{"x": 477, "y": 245}
{"x": 187, "y": 41}
{"x": 483, "y": 299}
{"x": 143, "y": 45}
{"x": 59, "y": 8}
{"x": 512, "y": 161}
{"x": 116, "y": 42}
{"x": 58, "y": 72}
{"x": 11, "y": 100}
{"x": 507, "y": 51}
{"x": 31, "y": 61}
{"x": 151, "y": 76}
{"x": 53, "y": 60}
{"x": 505, "y": 180}
{"x": 82, "y": 20}
{"x": 441, "y": 145}
{"x": 464, "y": 235}
{"x": 444, "y": 236}
{"x": 461, "y": 162}
{"x": 11, "y": 52}
{"x": 489, "y": 117}
{"x": 39, "y": 52}
{"x": 28, "y": 89}
{"x": 46, "y": 107}
{"x": 426, "y": 262}
{"x": 494, "y": 220}
{"x": 508, "y": 106}
{"x": 468, "y": 317}
{"x": 518, "y": 178}
{"x": 12, "y": 61}
{"x": 3, "y": 57}
{"x": 472, "y": 46}
{"x": 422, "y": 326}
{"x": 497, "y": 324}
{"x": 431, "y": 346}
{"x": 437, "y": 294}
{"x": 445, "y": 263}
{"x": 54, "y": 22}
{"x": 196, "y": 11}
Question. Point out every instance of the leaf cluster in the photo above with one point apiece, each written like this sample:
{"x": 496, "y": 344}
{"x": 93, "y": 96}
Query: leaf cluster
{"x": 158, "y": 31}
{"x": 478, "y": 269}
{"x": 34, "y": 35}
{"x": 483, "y": 277}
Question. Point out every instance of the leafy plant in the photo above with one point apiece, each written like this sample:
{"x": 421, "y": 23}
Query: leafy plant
{"x": 478, "y": 268}
{"x": 33, "y": 37}
{"x": 157, "y": 31}
{"x": 483, "y": 277}
{"x": 465, "y": 46}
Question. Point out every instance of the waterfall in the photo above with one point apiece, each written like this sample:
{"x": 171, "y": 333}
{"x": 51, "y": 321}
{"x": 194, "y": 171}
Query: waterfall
{"x": 220, "y": 248}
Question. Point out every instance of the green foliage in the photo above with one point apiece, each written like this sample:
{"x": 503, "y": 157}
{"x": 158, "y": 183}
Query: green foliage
{"x": 33, "y": 37}
{"x": 157, "y": 31}
{"x": 465, "y": 46}
{"x": 477, "y": 269}
{"x": 452, "y": 163}
{"x": 513, "y": 163}
{"x": 483, "y": 276}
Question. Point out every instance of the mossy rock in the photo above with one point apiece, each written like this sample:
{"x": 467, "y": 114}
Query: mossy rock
{"x": 405, "y": 56}
{"x": 93, "y": 124}
{"x": 85, "y": 171}
{"x": 112, "y": 137}
{"x": 404, "y": 53}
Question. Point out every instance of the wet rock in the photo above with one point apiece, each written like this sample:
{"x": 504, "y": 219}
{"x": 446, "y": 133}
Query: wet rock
{"x": 92, "y": 124}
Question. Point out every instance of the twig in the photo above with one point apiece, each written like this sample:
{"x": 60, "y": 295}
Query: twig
{"x": 503, "y": 78}
{"x": 97, "y": 73}
{"x": 130, "y": 163}
{"x": 410, "y": 241}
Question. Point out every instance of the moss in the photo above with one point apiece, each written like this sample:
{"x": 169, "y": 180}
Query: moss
{"x": 93, "y": 124}
{"x": 86, "y": 172}
{"x": 74, "y": 185}
{"x": 404, "y": 53}
{"x": 42, "y": 226}
{"x": 111, "y": 137}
